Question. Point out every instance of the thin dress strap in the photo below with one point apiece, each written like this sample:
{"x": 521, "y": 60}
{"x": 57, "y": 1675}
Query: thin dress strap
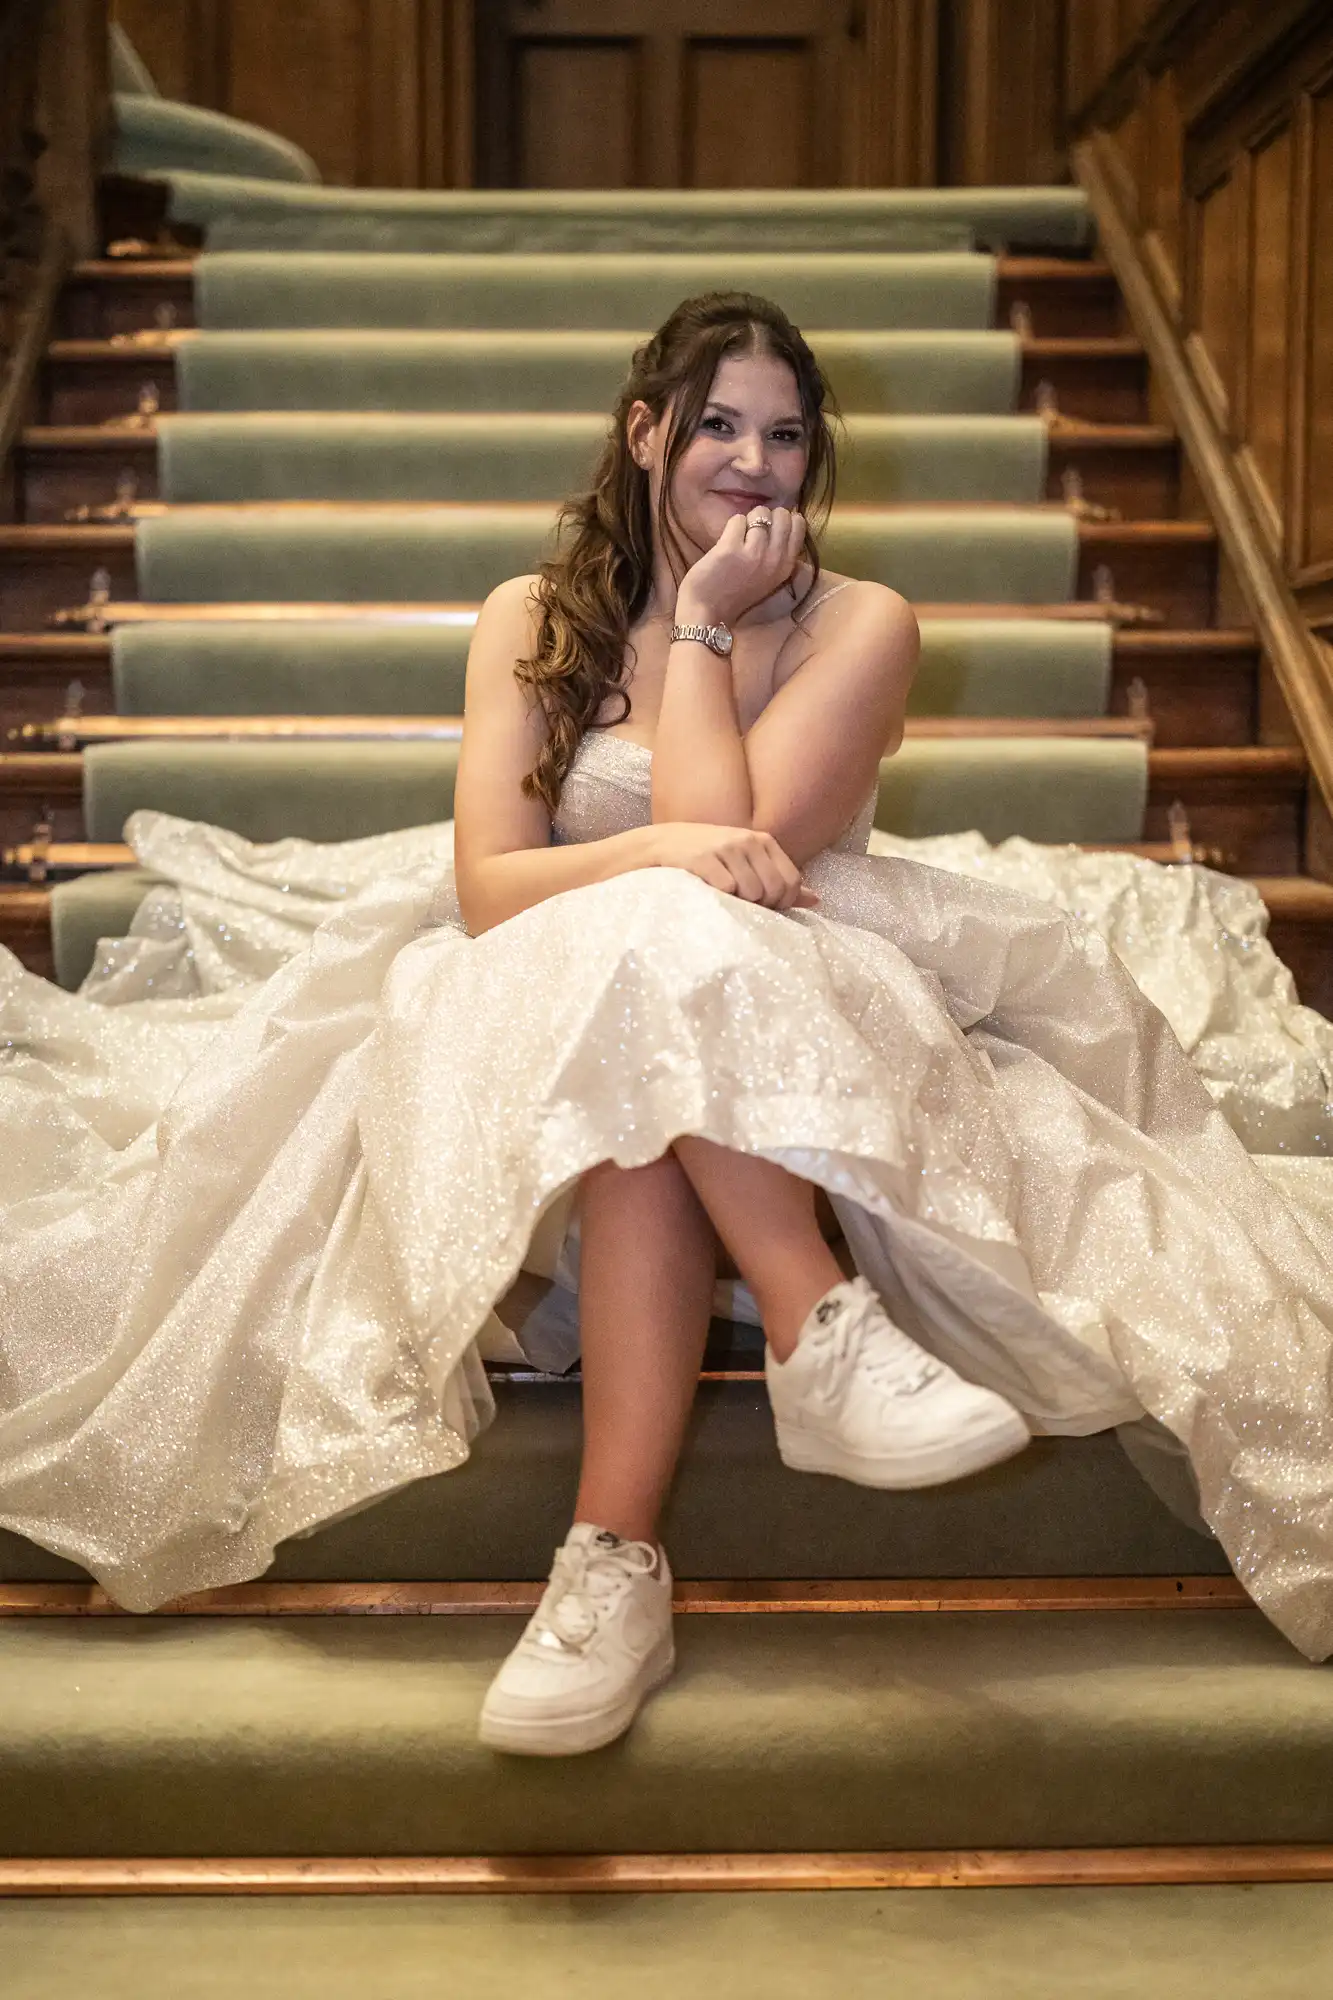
{"x": 825, "y": 595}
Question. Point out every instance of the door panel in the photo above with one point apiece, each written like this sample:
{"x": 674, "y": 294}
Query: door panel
{"x": 560, "y": 143}
{"x": 664, "y": 93}
{"x": 746, "y": 117}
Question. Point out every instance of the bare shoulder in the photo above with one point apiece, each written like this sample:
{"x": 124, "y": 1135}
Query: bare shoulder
{"x": 871, "y": 609}
{"x": 505, "y": 633}
{"x": 512, "y": 605}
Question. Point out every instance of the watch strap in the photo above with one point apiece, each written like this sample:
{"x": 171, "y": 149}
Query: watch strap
{"x": 705, "y": 634}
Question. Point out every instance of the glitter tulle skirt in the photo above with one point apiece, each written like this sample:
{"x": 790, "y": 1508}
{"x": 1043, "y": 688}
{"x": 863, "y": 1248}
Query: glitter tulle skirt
{"x": 267, "y": 1178}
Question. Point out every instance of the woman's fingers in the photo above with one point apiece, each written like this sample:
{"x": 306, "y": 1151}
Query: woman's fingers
{"x": 716, "y": 874}
{"x": 750, "y": 885}
{"x": 776, "y": 875}
{"x": 791, "y": 881}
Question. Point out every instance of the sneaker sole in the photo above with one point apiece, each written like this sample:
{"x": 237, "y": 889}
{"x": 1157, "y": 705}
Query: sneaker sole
{"x": 568, "y": 1736}
{"x": 805, "y": 1452}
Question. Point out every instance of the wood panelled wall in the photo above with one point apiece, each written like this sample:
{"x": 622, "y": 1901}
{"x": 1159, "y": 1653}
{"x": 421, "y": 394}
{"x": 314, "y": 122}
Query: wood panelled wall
{"x": 385, "y": 92}
{"x": 1204, "y": 129}
{"x": 379, "y": 92}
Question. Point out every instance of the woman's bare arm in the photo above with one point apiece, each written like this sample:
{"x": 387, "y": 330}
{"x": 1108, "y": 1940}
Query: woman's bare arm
{"x": 813, "y": 754}
{"x": 803, "y": 770}
{"x": 503, "y": 856}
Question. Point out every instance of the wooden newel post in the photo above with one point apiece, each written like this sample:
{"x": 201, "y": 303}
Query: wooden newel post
{"x": 55, "y": 129}
{"x": 73, "y": 108}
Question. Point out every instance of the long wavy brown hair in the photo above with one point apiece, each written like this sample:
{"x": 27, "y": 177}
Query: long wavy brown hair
{"x": 591, "y": 592}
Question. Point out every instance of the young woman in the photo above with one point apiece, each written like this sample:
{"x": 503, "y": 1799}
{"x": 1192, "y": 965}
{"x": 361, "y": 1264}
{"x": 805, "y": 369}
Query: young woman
{"x": 664, "y": 1011}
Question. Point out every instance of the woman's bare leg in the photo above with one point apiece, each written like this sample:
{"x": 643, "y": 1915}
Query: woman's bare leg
{"x": 647, "y": 1263}
{"x": 766, "y": 1219}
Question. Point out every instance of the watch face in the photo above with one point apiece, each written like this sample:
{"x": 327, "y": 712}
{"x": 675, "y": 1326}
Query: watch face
{"x": 721, "y": 640}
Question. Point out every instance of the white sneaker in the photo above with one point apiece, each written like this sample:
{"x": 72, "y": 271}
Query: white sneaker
{"x": 859, "y": 1399}
{"x": 598, "y": 1642}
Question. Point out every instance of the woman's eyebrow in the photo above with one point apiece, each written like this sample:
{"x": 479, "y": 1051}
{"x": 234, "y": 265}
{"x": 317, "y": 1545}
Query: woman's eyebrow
{"x": 725, "y": 409}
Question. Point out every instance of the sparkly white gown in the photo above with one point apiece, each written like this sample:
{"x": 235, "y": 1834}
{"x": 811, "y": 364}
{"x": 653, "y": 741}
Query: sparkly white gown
{"x": 265, "y": 1179}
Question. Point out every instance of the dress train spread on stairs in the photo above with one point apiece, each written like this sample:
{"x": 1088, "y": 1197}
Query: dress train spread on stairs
{"x": 265, "y": 1182}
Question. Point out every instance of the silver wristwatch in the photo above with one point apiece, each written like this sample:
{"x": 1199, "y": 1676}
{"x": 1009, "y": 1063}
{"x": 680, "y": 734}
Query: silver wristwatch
{"x": 717, "y": 638}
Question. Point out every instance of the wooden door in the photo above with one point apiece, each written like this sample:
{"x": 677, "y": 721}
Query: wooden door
{"x": 666, "y": 93}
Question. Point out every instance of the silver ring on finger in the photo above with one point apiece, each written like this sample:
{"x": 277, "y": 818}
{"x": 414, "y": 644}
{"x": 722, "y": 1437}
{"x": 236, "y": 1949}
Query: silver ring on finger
{"x": 758, "y": 521}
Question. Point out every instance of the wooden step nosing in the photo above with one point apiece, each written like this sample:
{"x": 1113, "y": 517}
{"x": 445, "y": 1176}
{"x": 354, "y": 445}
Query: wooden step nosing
{"x": 70, "y": 732}
{"x": 1243, "y": 763}
{"x": 574, "y": 1874}
{"x": 1073, "y": 434}
{"x": 751, "y": 1597}
{"x": 118, "y": 352}
{"x": 1185, "y": 639}
{"x": 1128, "y": 645}
{"x": 159, "y": 270}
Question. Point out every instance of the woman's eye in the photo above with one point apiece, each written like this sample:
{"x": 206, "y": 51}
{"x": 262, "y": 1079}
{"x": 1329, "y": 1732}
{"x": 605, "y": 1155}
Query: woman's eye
{"x": 787, "y": 437}
{"x": 718, "y": 423}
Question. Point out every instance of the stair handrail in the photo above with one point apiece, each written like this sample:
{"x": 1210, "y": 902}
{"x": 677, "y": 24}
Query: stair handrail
{"x": 55, "y": 114}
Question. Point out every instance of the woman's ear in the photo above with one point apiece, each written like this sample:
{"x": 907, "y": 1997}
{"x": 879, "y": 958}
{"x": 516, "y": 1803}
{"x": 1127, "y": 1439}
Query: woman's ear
{"x": 638, "y": 431}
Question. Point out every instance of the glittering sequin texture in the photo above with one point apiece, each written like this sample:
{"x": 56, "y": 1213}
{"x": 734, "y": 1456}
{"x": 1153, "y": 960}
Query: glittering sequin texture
{"x": 266, "y": 1177}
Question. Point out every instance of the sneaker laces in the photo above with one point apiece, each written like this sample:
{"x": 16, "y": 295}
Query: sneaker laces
{"x": 861, "y": 1334}
{"x": 586, "y": 1581}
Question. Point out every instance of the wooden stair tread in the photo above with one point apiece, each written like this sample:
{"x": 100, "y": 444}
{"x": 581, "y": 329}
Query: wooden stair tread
{"x": 1301, "y": 899}
{"x": 104, "y": 270}
{"x": 35, "y": 647}
{"x": 161, "y": 345}
{"x": 1082, "y": 347}
{"x": 710, "y": 1598}
{"x": 39, "y": 538}
{"x": 130, "y": 611}
{"x": 82, "y": 857}
{"x": 142, "y": 437}
{"x": 449, "y": 728}
{"x": 1162, "y": 641}
{"x": 59, "y": 773}
{"x": 1095, "y": 537}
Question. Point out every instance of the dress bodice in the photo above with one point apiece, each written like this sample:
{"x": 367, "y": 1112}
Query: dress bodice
{"x": 608, "y": 790}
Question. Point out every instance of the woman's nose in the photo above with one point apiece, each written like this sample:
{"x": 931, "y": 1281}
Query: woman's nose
{"x": 751, "y": 453}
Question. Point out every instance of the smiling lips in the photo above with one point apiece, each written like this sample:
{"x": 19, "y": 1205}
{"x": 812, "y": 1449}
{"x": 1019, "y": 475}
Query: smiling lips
{"x": 742, "y": 500}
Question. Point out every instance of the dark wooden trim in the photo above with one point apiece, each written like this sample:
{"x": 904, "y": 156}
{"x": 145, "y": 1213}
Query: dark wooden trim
{"x": 893, "y": 1596}
{"x": 566, "y": 1874}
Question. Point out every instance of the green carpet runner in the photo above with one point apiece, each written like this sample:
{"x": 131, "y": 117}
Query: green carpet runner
{"x": 481, "y": 455}
{"x": 1216, "y": 1942}
{"x": 1044, "y": 786}
{"x": 310, "y": 289}
{"x": 792, "y": 1731}
{"x": 940, "y": 373}
{"x": 258, "y": 214}
{"x": 1064, "y": 1507}
{"x": 979, "y": 667}
{"x": 415, "y": 555}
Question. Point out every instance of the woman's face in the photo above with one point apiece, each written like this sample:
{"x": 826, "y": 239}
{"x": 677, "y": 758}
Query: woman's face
{"x": 749, "y": 449}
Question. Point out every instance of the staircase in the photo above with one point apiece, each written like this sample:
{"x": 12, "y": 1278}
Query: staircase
{"x": 383, "y": 416}
{"x": 245, "y": 537}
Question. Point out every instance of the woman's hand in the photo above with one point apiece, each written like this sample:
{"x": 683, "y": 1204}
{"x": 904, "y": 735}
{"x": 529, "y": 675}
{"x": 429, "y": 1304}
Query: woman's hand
{"x": 735, "y": 859}
{"x": 746, "y": 564}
